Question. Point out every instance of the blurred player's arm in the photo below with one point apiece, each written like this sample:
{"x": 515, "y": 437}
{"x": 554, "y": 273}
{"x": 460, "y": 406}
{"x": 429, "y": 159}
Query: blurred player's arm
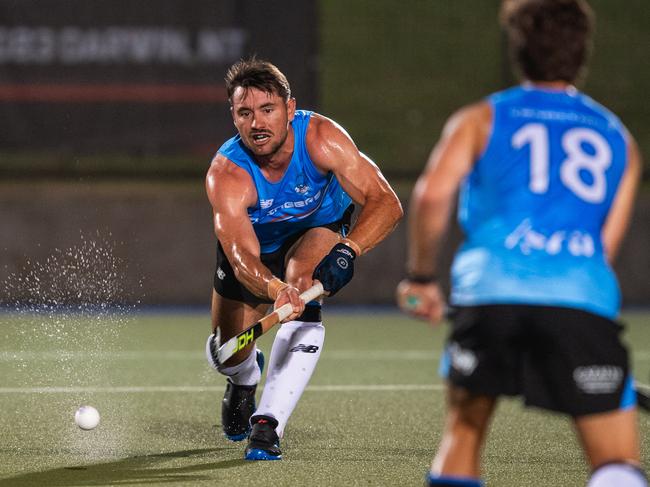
{"x": 231, "y": 192}
{"x": 620, "y": 213}
{"x": 432, "y": 201}
{"x": 332, "y": 149}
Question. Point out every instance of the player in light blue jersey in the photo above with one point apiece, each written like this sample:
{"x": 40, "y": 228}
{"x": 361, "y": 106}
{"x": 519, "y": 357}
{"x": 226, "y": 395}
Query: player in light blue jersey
{"x": 281, "y": 192}
{"x": 547, "y": 179}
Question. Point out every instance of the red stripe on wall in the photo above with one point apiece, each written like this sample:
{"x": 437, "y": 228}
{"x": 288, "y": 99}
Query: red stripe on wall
{"x": 132, "y": 93}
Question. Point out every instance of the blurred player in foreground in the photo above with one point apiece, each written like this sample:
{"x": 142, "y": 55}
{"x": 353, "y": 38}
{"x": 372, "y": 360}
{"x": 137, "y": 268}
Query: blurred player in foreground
{"x": 547, "y": 181}
{"x": 282, "y": 193}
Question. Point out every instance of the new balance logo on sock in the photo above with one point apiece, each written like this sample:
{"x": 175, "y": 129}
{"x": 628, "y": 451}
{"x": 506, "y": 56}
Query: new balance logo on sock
{"x": 305, "y": 348}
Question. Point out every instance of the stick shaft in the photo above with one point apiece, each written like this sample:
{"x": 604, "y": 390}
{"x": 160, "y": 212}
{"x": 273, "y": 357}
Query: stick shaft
{"x": 256, "y": 330}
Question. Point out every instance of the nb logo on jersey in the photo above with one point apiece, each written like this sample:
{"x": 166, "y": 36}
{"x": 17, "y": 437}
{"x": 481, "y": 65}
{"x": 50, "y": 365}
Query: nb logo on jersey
{"x": 305, "y": 348}
{"x": 221, "y": 274}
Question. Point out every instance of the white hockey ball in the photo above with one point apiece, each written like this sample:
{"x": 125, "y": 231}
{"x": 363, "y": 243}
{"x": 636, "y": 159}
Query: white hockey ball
{"x": 86, "y": 417}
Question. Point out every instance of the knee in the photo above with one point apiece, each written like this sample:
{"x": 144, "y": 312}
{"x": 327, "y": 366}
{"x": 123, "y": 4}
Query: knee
{"x": 292, "y": 327}
{"x": 311, "y": 316}
{"x": 470, "y": 410}
{"x": 301, "y": 336}
{"x": 212, "y": 346}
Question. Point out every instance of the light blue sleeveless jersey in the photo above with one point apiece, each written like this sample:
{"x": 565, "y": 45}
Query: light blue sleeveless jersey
{"x": 533, "y": 207}
{"x": 303, "y": 198}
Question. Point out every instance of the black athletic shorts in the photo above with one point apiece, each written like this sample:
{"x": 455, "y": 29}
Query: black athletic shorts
{"x": 560, "y": 359}
{"x": 227, "y": 285}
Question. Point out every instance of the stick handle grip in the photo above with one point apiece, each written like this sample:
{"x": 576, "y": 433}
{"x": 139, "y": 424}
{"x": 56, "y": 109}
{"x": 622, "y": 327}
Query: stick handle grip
{"x": 309, "y": 295}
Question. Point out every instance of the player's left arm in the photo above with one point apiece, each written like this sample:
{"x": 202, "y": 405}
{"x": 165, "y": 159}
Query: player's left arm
{"x": 620, "y": 213}
{"x": 333, "y": 150}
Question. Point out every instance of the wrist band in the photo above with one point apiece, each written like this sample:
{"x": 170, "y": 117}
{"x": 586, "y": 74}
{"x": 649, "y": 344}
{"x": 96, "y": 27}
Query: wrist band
{"x": 274, "y": 287}
{"x": 422, "y": 278}
{"x": 353, "y": 245}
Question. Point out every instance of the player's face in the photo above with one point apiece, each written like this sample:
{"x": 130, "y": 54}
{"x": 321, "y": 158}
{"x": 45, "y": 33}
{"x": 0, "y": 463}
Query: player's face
{"x": 262, "y": 119}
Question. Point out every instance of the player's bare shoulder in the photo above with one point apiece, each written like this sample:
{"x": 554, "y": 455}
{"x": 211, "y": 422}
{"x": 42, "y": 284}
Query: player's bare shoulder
{"x": 474, "y": 117}
{"x": 327, "y": 142}
{"x": 471, "y": 125}
{"x": 226, "y": 180}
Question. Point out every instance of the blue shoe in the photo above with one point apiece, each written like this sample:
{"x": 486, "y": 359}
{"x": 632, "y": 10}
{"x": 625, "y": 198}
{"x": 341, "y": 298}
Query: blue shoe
{"x": 263, "y": 443}
{"x": 237, "y": 407}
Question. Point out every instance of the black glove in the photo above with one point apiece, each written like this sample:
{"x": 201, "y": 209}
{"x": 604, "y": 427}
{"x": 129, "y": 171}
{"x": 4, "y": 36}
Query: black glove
{"x": 336, "y": 269}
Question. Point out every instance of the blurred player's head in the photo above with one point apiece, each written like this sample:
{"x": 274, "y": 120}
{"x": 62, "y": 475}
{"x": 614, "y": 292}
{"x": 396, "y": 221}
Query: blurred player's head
{"x": 549, "y": 40}
{"x": 261, "y": 105}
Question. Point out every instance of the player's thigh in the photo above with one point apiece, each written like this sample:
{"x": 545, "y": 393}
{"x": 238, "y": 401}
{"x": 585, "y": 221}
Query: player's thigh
{"x": 609, "y": 437}
{"x": 483, "y": 352}
{"x": 576, "y": 363}
{"x": 305, "y": 255}
{"x": 232, "y": 317}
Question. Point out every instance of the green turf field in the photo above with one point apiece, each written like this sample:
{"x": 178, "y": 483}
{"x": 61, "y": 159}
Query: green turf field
{"x": 372, "y": 415}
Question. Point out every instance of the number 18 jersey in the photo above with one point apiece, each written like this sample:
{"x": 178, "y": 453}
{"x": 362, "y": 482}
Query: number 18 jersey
{"x": 533, "y": 207}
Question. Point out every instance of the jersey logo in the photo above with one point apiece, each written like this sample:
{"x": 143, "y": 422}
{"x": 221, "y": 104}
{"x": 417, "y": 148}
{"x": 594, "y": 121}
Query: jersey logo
{"x": 598, "y": 379}
{"x": 301, "y": 189}
{"x": 264, "y": 204}
{"x": 463, "y": 360}
{"x": 295, "y": 204}
{"x": 221, "y": 274}
{"x": 527, "y": 240}
{"x": 301, "y": 186}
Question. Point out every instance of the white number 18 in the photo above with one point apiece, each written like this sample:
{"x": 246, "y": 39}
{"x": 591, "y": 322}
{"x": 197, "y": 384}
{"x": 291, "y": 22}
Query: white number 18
{"x": 536, "y": 135}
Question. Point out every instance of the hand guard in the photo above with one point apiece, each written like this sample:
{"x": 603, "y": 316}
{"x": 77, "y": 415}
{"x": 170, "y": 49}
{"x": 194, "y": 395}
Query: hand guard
{"x": 336, "y": 269}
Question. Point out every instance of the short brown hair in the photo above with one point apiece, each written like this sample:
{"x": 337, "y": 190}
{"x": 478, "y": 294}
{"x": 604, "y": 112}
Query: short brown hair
{"x": 548, "y": 40}
{"x": 256, "y": 73}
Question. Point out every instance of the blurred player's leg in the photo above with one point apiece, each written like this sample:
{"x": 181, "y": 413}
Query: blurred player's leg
{"x": 611, "y": 443}
{"x": 458, "y": 456}
{"x": 243, "y": 370}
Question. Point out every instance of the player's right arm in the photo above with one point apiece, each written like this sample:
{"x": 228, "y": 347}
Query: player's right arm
{"x": 463, "y": 139}
{"x": 231, "y": 192}
{"x": 620, "y": 213}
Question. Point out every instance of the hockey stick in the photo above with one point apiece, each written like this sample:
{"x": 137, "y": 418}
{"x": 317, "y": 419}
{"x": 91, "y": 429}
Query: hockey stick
{"x": 256, "y": 330}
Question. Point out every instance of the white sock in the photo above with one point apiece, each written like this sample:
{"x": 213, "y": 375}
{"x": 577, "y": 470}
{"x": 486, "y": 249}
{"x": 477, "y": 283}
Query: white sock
{"x": 294, "y": 356}
{"x": 246, "y": 373}
{"x": 617, "y": 474}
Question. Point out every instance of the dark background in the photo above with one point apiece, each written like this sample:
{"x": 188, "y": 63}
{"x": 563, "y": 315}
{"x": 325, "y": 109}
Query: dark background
{"x": 115, "y": 148}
